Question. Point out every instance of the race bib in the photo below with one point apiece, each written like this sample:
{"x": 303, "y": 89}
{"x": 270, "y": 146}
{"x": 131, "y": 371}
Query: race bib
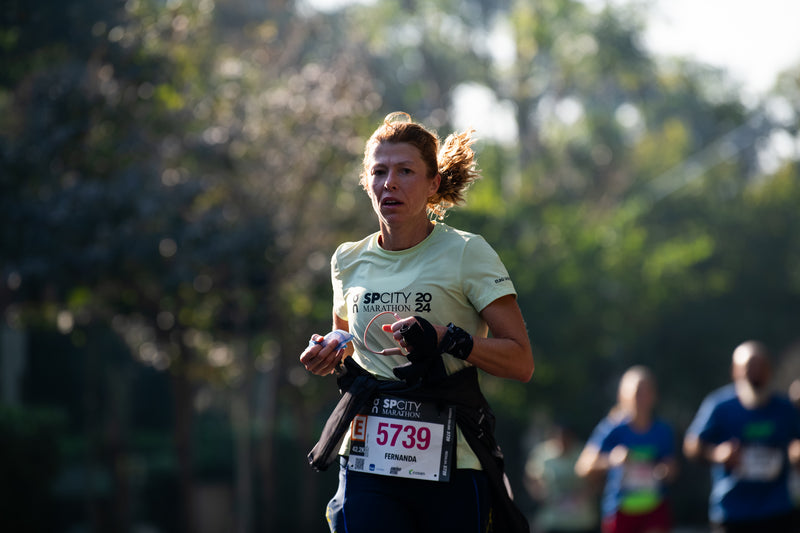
{"x": 403, "y": 438}
{"x": 760, "y": 463}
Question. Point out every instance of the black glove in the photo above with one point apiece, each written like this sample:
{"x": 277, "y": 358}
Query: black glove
{"x": 424, "y": 357}
{"x": 420, "y": 338}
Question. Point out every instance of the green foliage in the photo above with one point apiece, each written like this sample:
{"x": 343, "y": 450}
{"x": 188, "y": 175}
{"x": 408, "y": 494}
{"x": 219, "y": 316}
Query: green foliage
{"x": 174, "y": 177}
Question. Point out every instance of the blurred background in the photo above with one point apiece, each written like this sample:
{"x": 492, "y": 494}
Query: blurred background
{"x": 175, "y": 174}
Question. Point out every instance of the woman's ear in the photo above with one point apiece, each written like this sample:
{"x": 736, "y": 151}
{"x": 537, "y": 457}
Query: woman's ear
{"x": 435, "y": 182}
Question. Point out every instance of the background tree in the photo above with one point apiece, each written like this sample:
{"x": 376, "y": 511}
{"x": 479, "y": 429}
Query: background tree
{"x": 174, "y": 177}
{"x": 167, "y": 183}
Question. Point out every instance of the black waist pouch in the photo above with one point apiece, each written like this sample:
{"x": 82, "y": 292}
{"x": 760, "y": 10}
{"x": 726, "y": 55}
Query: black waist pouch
{"x": 357, "y": 392}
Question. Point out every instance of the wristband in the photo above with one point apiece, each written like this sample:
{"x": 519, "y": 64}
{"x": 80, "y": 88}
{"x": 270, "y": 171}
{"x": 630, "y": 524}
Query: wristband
{"x": 456, "y": 342}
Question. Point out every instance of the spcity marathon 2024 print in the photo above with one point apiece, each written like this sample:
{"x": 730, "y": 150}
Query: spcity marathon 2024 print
{"x": 396, "y": 302}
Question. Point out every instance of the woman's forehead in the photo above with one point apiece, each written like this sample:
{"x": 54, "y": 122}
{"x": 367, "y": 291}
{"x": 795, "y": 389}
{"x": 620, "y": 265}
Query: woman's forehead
{"x": 393, "y": 153}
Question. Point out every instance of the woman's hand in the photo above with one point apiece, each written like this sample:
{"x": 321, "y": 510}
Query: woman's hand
{"x": 397, "y": 329}
{"x": 727, "y": 453}
{"x": 321, "y": 360}
{"x": 618, "y": 455}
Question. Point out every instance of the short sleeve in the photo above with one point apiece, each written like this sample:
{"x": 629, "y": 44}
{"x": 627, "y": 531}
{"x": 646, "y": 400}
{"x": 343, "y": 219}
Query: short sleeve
{"x": 600, "y": 433}
{"x": 794, "y": 415}
{"x": 485, "y": 276}
{"x": 339, "y": 302}
{"x": 703, "y": 426}
{"x": 611, "y": 439}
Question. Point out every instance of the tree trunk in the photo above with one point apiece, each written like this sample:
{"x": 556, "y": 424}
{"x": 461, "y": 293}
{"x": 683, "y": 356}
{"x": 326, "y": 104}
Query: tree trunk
{"x": 183, "y": 392}
{"x": 241, "y": 421}
{"x": 267, "y": 406}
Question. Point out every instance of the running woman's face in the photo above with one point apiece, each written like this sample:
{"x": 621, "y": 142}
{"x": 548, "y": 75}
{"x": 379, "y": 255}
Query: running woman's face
{"x": 398, "y": 183}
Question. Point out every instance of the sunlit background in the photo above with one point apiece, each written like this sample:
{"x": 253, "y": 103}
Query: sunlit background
{"x": 174, "y": 176}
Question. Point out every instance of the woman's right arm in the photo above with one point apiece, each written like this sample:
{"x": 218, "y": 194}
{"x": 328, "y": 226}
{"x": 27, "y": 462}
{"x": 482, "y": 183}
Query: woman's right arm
{"x": 591, "y": 462}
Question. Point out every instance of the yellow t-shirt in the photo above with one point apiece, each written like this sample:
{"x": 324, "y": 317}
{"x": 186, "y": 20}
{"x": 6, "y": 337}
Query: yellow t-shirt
{"x": 449, "y": 277}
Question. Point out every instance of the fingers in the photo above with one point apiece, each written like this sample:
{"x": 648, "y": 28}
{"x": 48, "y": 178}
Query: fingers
{"x": 318, "y": 359}
{"x": 726, "y": 453}
{"x": 396, "y": 328}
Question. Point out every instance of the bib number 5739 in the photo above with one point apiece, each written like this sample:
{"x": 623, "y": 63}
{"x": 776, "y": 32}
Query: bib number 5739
{"x": 408, "y": 435}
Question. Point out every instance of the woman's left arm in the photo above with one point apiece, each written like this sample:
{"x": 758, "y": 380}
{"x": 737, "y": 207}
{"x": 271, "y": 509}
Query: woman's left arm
{"x": 507, "y": 353}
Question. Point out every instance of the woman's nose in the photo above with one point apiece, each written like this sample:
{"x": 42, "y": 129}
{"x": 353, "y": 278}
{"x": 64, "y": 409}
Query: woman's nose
{"x": 391, "y": 181}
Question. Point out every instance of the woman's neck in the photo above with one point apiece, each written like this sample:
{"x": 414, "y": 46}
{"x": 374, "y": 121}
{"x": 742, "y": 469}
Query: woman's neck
{"x": 406, "y": 237}
{"x": 640, "y": 420}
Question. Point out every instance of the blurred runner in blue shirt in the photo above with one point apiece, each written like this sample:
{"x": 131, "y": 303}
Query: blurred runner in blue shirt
{"x": 749, "y": 434}
{"x": 635, "y": 451}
